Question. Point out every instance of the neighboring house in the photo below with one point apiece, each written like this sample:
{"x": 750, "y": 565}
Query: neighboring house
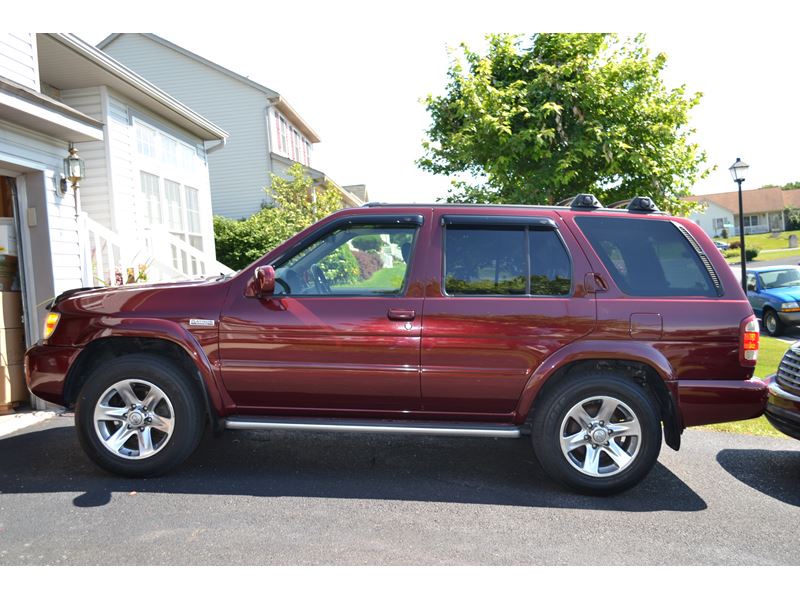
{"x": 144, "y": 198}
{"x": 763, "y": 210}
{"x": 266, "y": 134}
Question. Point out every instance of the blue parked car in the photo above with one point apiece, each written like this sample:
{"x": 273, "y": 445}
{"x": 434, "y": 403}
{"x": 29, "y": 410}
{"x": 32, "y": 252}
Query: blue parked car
{"x": 774, "y": 294}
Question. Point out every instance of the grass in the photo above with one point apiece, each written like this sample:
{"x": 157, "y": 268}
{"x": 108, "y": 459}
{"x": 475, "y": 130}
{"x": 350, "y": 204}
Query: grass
{"x": 763, "y": 241}
{"x": 770, "y": 353}
{"x": 385, "y": 279}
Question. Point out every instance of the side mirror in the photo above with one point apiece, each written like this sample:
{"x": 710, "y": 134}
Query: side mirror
{"x": 262, "y": 284}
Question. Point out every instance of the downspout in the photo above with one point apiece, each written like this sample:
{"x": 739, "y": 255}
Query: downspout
{"x": 216, "y": 147}
{"x": 270, "y": 170}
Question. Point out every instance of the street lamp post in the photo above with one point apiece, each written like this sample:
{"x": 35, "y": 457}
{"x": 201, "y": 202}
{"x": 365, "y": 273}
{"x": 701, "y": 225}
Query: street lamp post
{"x": 737, "y": 170}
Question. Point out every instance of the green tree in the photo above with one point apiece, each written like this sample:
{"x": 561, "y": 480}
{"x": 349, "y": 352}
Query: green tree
{"x": 298, "y": 204}
{"x": 541, "y": 119}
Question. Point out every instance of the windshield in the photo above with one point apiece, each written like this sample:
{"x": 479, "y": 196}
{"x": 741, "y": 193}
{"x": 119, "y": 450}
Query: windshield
{"x": 780, "y": 279}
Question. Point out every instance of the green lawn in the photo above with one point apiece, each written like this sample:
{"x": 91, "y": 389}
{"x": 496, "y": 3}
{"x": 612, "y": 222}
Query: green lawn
{"x": 763, "y": 241}
{"x": 769, "y": 355}
{"x": 385, "y": 279}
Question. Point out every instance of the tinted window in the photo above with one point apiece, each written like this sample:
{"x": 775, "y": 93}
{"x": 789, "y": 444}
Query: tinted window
{"x": 493, "y": 261}
{"x": 364, "y": 260}
{"x": 485, "y": 261}
{"x": 550, "y": 265}
{"x": 647, "y": 257}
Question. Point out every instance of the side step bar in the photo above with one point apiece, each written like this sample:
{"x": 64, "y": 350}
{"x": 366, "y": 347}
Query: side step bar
{"x": 366, "y": 426}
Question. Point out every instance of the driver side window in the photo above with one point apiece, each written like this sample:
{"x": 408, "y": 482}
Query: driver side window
{"x": 358, "y": 260}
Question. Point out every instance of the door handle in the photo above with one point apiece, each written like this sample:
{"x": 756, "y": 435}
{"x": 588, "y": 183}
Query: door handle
{"x": 401, "y": 314}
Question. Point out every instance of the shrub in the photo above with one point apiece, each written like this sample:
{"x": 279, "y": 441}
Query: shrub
{"x": 368, "y": 243}
{"x": 340, "y": 267}
{"x": 750, "y": 253}
{"x": 792, "y": 217}
{"x": 368, "y": 263}
{"x": 724, "y": 234}
{"x": 239, "y": 243}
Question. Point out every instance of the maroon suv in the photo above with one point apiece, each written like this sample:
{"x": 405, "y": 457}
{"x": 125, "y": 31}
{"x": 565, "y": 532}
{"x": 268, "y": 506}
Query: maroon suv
{"x": 588, "y": 329}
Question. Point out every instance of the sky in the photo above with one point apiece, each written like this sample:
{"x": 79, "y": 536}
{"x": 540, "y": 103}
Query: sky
{"x": 357, "y": 72}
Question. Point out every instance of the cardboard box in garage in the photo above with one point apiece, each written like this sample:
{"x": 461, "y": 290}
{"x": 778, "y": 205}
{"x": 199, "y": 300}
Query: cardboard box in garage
{"x": 12, "y": 388}
{"x": 12, "y": 346}
{"x": 10, "y": 310}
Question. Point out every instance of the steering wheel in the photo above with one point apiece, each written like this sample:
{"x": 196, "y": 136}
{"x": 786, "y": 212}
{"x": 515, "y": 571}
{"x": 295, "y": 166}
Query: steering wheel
{"x": 320, "y": 281}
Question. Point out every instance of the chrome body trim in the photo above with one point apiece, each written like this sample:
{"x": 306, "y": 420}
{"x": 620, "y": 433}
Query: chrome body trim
{"x": 364, "y": 426}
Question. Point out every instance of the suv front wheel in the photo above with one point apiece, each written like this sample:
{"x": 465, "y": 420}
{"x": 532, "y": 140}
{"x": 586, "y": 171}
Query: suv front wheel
{"x": 598, "y": 435}
{"x": 138, "y": 416}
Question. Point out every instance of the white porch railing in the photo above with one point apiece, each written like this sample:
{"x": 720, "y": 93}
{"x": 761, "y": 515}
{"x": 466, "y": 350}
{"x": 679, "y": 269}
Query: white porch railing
{"x": 155, "y": 255}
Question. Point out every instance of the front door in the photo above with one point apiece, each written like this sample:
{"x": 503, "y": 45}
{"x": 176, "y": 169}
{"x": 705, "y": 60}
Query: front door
{"x": 341, "y": 334}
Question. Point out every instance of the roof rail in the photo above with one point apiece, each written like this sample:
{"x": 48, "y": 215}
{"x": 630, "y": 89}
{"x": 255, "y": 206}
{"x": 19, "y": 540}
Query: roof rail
{"x": 582, "y": 201}
{"x": 618, "y": 204}
{"x": 642, "y": 204}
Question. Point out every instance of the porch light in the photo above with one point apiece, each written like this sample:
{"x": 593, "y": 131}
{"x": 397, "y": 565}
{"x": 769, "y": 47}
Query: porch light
{"x": 73, "y": 167}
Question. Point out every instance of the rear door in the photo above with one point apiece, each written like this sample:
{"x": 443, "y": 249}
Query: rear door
{"x": 508, "y": 293}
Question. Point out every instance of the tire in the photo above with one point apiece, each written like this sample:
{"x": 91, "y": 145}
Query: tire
{"x": 588, "y": 466}
{"x": 772, "y": 323}
{"x": 113, "y": 408}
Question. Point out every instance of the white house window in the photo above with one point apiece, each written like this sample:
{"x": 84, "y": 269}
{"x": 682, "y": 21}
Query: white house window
{"x": 169, "y": 150}
{"x": 172, "y": 192}
{"x": 193, "y": 218}
{"x": 145, "y": 140}
{"x": 284, "y": 146}
{"x": 187, "y": 156}
{"x": 719, "y": 223}
{"x": 751, "y": 220}
{"x": 152, "y": 199}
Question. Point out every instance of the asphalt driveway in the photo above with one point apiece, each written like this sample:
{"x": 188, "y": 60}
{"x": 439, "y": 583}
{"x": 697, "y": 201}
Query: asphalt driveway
{"x": 299, "y": 498}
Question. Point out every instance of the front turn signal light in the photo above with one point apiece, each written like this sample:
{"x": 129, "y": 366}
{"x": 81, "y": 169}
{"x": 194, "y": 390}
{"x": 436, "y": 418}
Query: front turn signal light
{"x": 50, "y": 324}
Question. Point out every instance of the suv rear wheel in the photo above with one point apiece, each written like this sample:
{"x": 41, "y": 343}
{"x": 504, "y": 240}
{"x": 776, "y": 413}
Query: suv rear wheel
{"x": 138, "y": 416}
{"x": 598, "y": 435}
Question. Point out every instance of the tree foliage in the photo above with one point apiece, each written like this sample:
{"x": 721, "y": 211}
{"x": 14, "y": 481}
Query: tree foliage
{"x": 541, "y": 119}
{"x": 298, "y": 204}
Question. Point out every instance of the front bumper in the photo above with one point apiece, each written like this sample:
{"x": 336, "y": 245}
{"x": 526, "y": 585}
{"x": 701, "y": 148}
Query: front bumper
{"x": 789, "y": 318}
{"x": 46, "y": 369}
{"x": 703, "y": 402}
{"x": 783, "y": 409}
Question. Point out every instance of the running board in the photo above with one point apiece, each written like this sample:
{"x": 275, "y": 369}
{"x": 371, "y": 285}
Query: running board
{"x": 365, "y": 426}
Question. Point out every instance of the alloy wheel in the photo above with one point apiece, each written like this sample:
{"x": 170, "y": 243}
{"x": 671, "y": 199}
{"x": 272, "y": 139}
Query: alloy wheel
{"x": 600, "y": 436}
{"x": 134, "y": 419}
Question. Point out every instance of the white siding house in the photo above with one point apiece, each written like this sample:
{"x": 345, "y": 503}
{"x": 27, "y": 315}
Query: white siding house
{"x": 763, "y": 210}
{"x": 58, "y": 92}
{"x": 266, "y": 133}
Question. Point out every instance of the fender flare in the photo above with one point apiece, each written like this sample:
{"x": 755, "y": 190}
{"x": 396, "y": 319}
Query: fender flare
{"x": 628, "y": 350}
{"x": 105, "y": 327}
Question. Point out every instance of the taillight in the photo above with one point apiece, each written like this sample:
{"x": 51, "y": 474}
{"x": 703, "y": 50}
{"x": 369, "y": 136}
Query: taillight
{"x": 748, "y": 342}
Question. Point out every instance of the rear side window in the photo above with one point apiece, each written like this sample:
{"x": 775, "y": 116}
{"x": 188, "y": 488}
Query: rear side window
{"x": 485, "y": 261}
{"x": 648, "y": 257}
{"x": 505, "y": 261}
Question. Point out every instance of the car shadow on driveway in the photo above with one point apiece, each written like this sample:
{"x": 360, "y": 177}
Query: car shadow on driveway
{"x": 48, "y": 459}
{"x": 775, "y": 473}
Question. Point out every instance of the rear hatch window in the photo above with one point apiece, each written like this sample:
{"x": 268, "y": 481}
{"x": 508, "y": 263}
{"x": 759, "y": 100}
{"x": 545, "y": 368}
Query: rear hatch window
{"x": 651, "y": 257}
